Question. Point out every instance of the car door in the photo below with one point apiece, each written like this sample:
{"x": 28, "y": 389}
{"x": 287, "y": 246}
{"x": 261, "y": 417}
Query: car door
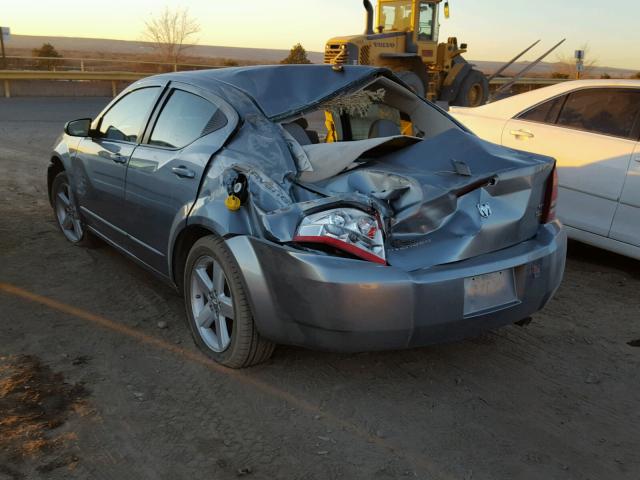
{"x": 101, "y": 162}
{"x": 164, "y": 173}
{"x": 626, "y": 223}
{"x": 589, "y": 133}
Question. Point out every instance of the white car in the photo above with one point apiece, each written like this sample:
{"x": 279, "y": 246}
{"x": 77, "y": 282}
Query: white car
{"x": 592, "y": 128}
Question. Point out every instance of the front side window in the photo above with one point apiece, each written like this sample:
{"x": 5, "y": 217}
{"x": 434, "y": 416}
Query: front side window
{"x": 125, "y": 120}
{"x": 427, "y": 21}
{"x": 546, "y": 112}
{"x": 396, "y": 16}
{"x": 185, "y": 118}
{"x": 606, "y": 111}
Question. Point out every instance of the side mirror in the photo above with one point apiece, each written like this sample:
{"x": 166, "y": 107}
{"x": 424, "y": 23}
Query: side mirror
{"x": 78, "y": 128}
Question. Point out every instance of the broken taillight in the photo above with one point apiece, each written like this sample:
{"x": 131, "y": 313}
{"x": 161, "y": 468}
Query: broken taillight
{"x": 349, "y": 230}
{"x": 550, "y": 198}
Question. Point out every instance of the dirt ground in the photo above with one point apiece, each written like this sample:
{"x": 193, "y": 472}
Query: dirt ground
{"x": 92, "y": 388}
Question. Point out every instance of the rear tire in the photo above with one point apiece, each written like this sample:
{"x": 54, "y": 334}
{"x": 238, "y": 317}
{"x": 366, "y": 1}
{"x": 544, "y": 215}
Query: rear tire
{"x": 474, "y": 90}
{"x": 413, "y": 81}
{"x": 66, "y": 212}
{"x": 218, "y": 310}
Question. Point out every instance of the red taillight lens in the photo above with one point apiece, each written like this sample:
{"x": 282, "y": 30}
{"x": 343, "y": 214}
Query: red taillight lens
{"x": 551, "y": 198}
{"x": 344, "y": 246}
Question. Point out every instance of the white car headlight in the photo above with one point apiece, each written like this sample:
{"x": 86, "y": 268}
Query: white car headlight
{"x": 348, "y": 229}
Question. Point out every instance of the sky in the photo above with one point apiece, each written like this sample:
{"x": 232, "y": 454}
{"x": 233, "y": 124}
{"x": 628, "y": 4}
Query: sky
{"x": 493, "y": 29}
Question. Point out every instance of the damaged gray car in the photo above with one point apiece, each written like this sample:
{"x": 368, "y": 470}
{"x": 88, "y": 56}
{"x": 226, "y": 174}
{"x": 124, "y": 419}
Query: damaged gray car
{"x": 329, "y": 208}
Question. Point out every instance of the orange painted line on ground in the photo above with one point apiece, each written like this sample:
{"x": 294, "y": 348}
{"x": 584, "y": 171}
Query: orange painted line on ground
{"x": 240, "y": 376}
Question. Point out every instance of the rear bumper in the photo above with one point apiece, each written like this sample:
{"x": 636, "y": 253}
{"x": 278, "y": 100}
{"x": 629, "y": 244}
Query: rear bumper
{"x": 323, "y": 302}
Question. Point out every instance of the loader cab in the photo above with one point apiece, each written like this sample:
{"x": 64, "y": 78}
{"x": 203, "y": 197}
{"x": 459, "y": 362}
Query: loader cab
{"x": 428, "y": 25}
{"x": 418, "y": 19}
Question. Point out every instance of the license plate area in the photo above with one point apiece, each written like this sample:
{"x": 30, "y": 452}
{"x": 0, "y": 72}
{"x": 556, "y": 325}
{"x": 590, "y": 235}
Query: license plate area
{"x": 490, "y": 291}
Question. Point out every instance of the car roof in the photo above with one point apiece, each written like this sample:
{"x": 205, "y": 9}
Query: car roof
{"x": 508, "y": 107}
{"x": 283, "y": 90}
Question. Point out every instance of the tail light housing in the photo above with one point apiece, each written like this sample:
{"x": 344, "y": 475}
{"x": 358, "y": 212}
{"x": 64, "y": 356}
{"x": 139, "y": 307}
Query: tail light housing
{"x": 550, "y": 198}
{"x": 349, "y": 230}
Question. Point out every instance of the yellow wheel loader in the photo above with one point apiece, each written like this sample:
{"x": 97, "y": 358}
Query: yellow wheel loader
{"x": 406, "y": 41}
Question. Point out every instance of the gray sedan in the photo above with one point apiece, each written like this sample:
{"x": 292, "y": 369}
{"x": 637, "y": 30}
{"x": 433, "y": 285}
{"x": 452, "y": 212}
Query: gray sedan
{"x": 308, "y": 205}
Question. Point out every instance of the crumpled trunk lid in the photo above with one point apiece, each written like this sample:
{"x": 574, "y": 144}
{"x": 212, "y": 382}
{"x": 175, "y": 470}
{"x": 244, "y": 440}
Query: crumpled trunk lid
{"x": 453, "y": 197}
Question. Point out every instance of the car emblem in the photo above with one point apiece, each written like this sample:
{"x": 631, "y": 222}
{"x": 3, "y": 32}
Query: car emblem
{"x": 484, "y": 209}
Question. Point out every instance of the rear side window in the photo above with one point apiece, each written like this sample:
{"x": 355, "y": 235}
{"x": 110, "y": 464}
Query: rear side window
{"x": 125, "y": 120}
{"x": 606, "y": 111}
{"x": 184, "y": 118}
{"x": 546, "y": 112}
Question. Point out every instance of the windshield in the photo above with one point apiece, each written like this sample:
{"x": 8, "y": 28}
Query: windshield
{"x": 396, "y": 16}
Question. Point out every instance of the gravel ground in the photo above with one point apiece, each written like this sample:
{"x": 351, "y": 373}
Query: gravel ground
{"x": 92, "y": 388}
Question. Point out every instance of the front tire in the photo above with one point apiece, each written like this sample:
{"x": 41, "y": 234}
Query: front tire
{"x": 66, "y": 212}
{"x": 218, "y": 309}
{"x": 474, "y": 90}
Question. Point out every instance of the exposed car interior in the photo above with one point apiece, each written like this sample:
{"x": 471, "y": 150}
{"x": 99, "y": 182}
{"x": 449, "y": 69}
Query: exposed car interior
{"x": 382, "y": 115}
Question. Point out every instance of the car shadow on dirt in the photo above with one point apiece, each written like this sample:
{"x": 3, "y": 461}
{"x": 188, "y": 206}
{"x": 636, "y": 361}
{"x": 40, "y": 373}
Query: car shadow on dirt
{"x": 602, "y": 259}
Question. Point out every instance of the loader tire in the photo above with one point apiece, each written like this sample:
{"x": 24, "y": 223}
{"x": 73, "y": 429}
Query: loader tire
{"x": 474, "y": 90}
{"x": 413, "y": 81}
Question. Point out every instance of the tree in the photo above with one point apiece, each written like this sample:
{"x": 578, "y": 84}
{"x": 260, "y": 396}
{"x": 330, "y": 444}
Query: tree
{"x": 48, "y": 54}
{"x": 170, "y": 31}
{"x": 637, "y": 75}
{"x": 605, "y": 76}
{"x": 229, "y": 62}
{"x": 297, "y": 55}
{"x": 560, "y": 75}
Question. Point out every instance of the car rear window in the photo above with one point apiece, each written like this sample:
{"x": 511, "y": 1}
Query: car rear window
{"x": 606, "y": 111}
{"x": 184, "y": 118}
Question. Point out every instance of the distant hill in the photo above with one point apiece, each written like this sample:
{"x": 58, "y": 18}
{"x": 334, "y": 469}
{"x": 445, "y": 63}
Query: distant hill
{"x": 262, "y": 55}
{"x": 24, "y": 44}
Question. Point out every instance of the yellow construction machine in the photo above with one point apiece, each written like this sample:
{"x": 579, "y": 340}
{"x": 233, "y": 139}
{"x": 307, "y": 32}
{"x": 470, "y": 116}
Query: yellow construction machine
{"x": 405, "y": 40}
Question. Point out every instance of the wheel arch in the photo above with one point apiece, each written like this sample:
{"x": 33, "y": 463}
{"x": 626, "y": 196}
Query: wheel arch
{"x": 55, "y": 167}
{"x": 184, "y": 240}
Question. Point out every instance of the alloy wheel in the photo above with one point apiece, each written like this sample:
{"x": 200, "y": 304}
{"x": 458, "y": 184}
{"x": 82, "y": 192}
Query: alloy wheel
{"x": 67, "y": 214}
{"x": 212, "y": 303}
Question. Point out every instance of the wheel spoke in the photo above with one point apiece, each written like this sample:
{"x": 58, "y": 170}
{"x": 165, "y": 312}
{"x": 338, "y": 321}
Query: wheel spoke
{"x": 205, "y": 318}
{"x": 67, "y": 223}
{"x": 63, "y": 198}
{"x": 77, "y": 227}
{"x": 222, "y": 331}
{"x": 203, "y": 279}
{"x": 218, "y": 277}
{"x": 226, "y": 306}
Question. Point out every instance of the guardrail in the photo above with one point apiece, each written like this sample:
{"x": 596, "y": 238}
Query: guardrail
{"x": 10, "y": 75}
{"x": 61, "y": 64}
{"x": 529, "y": 81}
{"x": 7, "y": 76}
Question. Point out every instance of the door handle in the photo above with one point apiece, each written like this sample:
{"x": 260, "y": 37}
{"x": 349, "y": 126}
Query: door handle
{"x": 522, "y": 133}
{"x": 183, "y": 172}
{"x": 116, "y": 157}
{"x": 113, "y": 156}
